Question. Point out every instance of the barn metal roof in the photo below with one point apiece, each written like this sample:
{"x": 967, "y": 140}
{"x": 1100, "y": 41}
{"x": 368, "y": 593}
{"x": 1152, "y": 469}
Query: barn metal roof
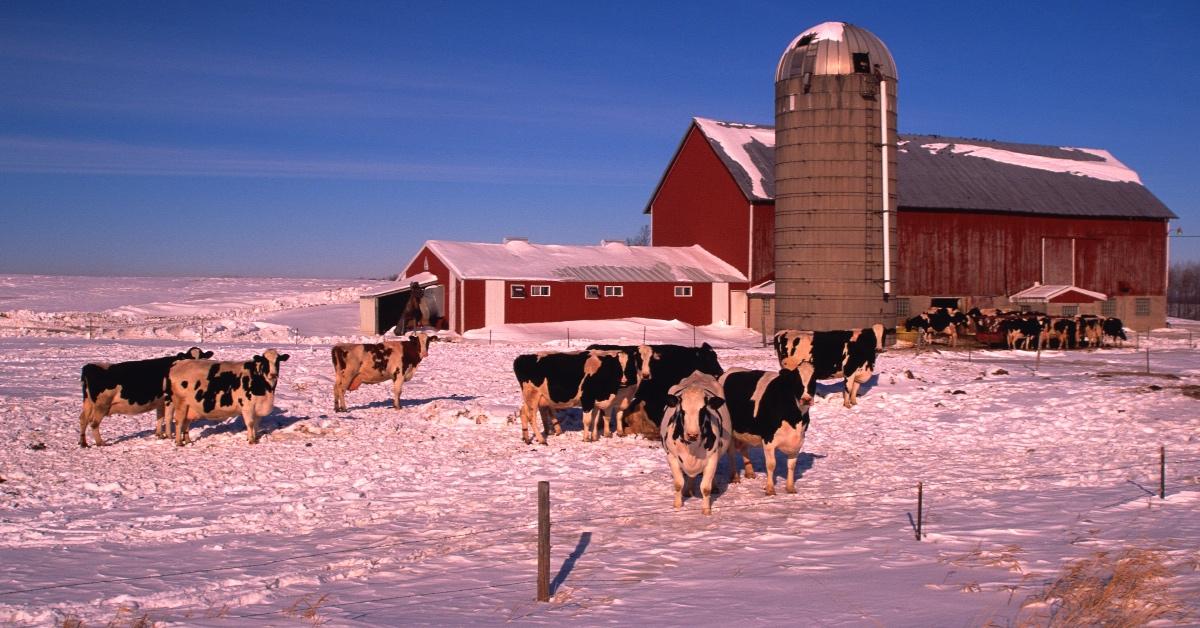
{"x": 518, "y": 260}
{"x": 962, "y": 174}
{"x": 1039, "y": 293}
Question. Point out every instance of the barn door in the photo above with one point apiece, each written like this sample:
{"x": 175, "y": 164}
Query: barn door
{"x": 1058, "y": 261}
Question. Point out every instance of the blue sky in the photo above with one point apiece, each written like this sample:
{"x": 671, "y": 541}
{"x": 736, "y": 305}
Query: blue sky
{"x": 331, "y": 139}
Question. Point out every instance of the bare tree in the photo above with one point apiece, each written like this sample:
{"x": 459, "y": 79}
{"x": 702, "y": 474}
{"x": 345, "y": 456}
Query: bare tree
{"x": 641, "y": 239}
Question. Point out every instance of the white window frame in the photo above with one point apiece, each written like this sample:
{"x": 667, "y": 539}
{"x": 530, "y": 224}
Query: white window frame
{"x": 514, "y": 288}
{"x": 683, "y": 291}
{"x": 539, "y": 290}
{"x": 614, "y": 291}
{"x": 588, "y": 291}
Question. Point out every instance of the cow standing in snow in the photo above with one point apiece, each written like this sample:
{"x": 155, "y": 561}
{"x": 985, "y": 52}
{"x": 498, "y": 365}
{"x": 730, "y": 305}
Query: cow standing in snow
{"x": 1113, "y": 328}
{"x": 640, "y": 358}
{"x": 207, "y": 389}
{"x": 668, "y": 365}
{"x": 696, "y": 432}
{"x": 127, "y": 388}
{"x": 395, "y": 361}
{"x": 846, "y": 354}
{"x": 769, "y": 410}
{"x": 556, "y": 381}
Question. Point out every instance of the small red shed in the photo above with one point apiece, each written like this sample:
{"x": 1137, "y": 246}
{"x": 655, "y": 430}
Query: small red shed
{"x": 485, "y": 284}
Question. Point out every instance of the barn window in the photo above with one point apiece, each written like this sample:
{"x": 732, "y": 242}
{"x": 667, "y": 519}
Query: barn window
{"x": 1026, "y": 308}
{"x": 591, "y": 292}
{"x": 539, "y": 291}
{"x": 683, "y": 291}
{"x": 614, "y": 291}
{"x": 516, "y": 291}
{"x": 902, "y": 308}
{"x": 1070, "y": 310}
{"x": 1141, "y": 306}
{"x": 1108, "y": 308}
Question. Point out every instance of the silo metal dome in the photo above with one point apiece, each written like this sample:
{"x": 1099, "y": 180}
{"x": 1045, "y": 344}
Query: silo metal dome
{"x": 830, "y": 48}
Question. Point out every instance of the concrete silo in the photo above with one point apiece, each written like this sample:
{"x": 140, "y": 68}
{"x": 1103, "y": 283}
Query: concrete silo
{"x": 835, "y": 166}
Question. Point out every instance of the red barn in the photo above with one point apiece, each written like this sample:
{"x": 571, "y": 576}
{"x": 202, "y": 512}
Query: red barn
{"x": 481, "y": 285}
{"x": 979, "y": 221}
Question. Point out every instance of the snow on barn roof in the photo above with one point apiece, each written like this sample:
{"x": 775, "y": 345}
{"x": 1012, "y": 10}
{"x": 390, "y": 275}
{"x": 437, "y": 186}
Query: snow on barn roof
{"x": 519, "y": 260}
{"x": 965, "y": 174}
{"x": 1039, "y": 293}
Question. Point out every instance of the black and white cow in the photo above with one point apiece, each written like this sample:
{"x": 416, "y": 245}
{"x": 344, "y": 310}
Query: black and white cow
{"x": 640, "y": 357}
{"x": 1113, "y": 328}
{"x": 1063, "y": 331}
{"x": 394, "y": 360}
{"x": 556, "y": 381}
{"x": 769, "y": 410}
{"x": 207, "y": 389}
{"x": 669, "y": 365}
{"x": 696, "y": 431}
{"x": 937, "y": 320}
{"x": 1026, "y": 331}
{"x": 1089, "y": 329}
{"x": 126, "y": 388}
{"x": 846, "y": 354}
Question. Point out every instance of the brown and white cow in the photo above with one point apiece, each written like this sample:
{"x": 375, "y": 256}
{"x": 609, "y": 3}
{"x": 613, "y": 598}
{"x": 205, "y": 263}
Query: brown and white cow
{"x": 126, "y": 388}
{"x": 639, "y": 357}
{"x": 549, "y": 382}
{"x": 393, "y": 360}
{"x": 207, "y": 389}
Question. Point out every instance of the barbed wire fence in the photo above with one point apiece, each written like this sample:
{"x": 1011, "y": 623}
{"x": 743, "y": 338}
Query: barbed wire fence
{"x": 1184, "y": 470}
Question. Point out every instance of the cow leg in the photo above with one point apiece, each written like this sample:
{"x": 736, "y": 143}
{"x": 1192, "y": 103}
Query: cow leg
{"x": 769, "y": 454}
{"x": 549, "y": 417}
{"x": 250, "y": 418}
{"x": 706, "y": 482}
{"x": 160, "y": 425}
{"x": 791, "y": 476}
{"x": 339, "y": 393}
{"x": 397, "y": 386}
{"x": 607, "y": 416}
{"x": 84, "y": 419}
{"x": 747, "y": 465}
{"x": 95, "y": 426}
{"x": 678, "y": 478}
{"x": 182, "y": 423}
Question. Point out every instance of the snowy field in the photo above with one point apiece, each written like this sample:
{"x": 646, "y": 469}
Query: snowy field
{"x": 427, "y": 515}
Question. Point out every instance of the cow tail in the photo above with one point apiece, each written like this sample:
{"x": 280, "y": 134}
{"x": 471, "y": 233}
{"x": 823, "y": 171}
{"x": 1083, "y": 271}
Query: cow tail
{"x": 83, "y": 384}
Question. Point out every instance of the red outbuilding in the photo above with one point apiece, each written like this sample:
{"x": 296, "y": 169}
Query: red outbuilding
{"x": 473, "y": 285}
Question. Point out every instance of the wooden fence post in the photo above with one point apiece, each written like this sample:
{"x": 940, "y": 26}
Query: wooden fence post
{"x": 568, "y": 337}
{"x": 543, "y": 584}
{"x": 1147, "y": 359}
{"x": 920, "y": 506}
{"x": 1162, "y": 472}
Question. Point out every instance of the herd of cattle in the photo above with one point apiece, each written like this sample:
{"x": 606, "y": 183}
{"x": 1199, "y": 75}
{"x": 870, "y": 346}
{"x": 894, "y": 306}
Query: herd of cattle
{"x": 1023, "y": 330}
{"x": 678, "y": 394}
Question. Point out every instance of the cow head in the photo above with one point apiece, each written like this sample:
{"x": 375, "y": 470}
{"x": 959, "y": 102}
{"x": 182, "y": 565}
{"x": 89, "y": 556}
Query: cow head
{"x": 422, "y": 339}
{"x": 695, "y": 405}
{"x": 195, "y": 353}
{"x": 793, "y": 348}
{"x": 806, "y": 382}
{"x": 645, "y": 355}
{"x": 267, "y": 365}
{"x": 920, "y": 321}
{"x": 707, "y": 362}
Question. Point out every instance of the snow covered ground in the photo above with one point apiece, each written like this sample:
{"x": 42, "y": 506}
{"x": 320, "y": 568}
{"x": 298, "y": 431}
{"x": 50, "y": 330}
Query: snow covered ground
{"x": 428, "y": 514}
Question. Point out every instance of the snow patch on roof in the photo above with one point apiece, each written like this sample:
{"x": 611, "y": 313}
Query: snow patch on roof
{"x": 734, "y": 139}
{"x": 1106, "y": 168}
{"x": 524, "y": 261}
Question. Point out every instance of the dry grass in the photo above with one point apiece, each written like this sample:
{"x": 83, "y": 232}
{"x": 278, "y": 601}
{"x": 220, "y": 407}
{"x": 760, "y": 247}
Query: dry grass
{"x": 308, "y": 611}
{"x": 125, "y": 618}
{"x": 1006, "y": 557}
{"x": 1115, "y": 590}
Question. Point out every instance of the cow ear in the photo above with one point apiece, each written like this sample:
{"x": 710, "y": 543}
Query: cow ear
{"x": 433, "y": 339}
{"x": 672, "y": 401}
{"x": 715, "y": 403}
{"x": 283, "y": 357}
{"x": 706, "y": 347}
{"x": 206, "y": 355}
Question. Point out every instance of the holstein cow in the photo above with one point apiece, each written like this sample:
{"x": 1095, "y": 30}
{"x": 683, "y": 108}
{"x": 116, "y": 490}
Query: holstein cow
{"x": 1025, "y": 330}
{"x": 768, "y": 410}
{"x": 393, "y": 360}
{"x": 1115, "y": 329}
{"x": 126, "y": 388}
{"x": 669, "y": 364}
{"x": 1063, "y": 330}
{"x": 639, "y": 358}
{"x": 847, "y": 354}
{"x": 557, "y": 381}
{"x": 1090, "y": 330}
{"x": 937, "y": 320}
{"x": 207, "y": 389}
{"x": 696, "y": 432}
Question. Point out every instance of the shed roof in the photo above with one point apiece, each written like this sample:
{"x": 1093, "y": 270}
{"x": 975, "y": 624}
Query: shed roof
{"x": 518, "y": 260}
{"x": 960, "y": 174}
{"x": 1039, "y": 293}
